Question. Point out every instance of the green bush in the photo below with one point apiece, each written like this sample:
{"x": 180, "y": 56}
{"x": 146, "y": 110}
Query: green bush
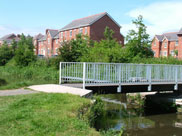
{"x": 6, "y": 54}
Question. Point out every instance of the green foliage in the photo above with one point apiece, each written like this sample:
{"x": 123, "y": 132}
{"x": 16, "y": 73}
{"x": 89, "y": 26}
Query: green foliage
{"x": 24, "y": 53}
{"x": 73, "y": 50}
{"x": 6, "y": 54}
{"x": 107, "y": 50}
{"x": 138, "y": 43}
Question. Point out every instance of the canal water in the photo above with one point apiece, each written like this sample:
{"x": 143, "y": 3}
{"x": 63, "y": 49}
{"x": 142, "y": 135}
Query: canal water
{"x": 134, "y": 120}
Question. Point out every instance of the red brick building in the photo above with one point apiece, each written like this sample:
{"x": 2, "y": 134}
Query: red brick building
{"x": 92, "y": 26}
{"x": 9, "y": 38}
{"x": 168, "y": 44}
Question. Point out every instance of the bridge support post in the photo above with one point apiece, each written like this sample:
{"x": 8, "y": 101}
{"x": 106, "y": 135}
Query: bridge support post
{"x": 60, "y": 73}
{"x": 119, "y": 79}
{"x": 149, "y": 75}
{"x": 84, "y": 70}
{"x": 176, "y": 78}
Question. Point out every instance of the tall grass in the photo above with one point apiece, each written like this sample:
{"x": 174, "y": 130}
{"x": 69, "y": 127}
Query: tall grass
{"x": 37, "y": 73}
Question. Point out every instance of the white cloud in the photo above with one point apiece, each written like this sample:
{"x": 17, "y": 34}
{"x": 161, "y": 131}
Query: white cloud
{"x": 16, "y": 30}
{"x": 161, "y": 17}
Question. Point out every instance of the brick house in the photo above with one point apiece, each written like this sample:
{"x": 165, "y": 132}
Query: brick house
{"x": 168, "y": 44}
{"x": 92, "y": 26}
{"x": 9, "y": 38}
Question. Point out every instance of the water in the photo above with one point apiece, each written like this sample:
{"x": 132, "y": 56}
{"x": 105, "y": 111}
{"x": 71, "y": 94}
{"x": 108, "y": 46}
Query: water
{"x": 135, "y": 122}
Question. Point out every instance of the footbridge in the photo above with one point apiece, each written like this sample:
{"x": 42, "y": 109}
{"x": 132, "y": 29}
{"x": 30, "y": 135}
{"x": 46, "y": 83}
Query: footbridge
{"x": 123, "y": 77}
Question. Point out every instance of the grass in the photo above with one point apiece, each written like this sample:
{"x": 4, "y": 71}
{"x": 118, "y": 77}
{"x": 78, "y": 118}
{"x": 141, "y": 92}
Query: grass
{"x": 43, "y": 115}
{"x": 13, "y": 77}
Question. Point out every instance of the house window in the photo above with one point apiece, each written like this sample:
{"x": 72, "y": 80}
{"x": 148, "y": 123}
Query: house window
{"x": 154, "y": 43}
{"x": 56, "y": 41}
{"x": 57, "y": 51}
{"x": 86, "y": 30}
{"x": 48, "y": 40}
{"x": 61, "y": 35}
{"x": 172, "y": 53}
{"x": 70, "y": 33}
{"x": 154, "y": 53}
{"x": 81, "y": 30}
{"x": 165, "y": 53}
{"x": 176, "y": 43}
{"x": 165, "y": 45}
{"x": 42, "y": 43}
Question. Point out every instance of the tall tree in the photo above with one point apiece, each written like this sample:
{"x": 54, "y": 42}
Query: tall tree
{"x": 74, "y": 49}
{"x": 24, "y": 53}
{"x": 138, "y": 41}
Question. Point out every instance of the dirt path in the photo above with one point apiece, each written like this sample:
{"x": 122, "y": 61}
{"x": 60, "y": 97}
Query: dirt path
{"x": 15, "y": 92}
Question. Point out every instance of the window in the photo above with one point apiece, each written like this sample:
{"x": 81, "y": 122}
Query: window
{"x": 61, "y": 35}
{"x": 48, "y": 40}
{"x": 56, "y": 41}
{"x": 70, "y": 33}
{"x": 176, "y": 44}
{"x": 154, "y": 43}
{"x": 165, "y": 45}
{"x": 154, "y": 53}
{"x": 165, "y": 53}
{"x": 57, "y": 51}
{"x": 42, "y": 52}
{"x": 172, "y": 53}
{"x": 86, "y": 30}
{"x": 42, "y": 43}
{"x": 81, "y": 30}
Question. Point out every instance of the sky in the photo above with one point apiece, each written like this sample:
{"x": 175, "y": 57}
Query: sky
{"x": 34, "y": 16}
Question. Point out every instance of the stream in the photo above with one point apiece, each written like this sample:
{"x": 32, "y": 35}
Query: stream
{"x": 135, "y": 121}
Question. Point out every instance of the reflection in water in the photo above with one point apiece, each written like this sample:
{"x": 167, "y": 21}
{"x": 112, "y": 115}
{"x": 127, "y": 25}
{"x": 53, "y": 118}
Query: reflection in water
{"x": 133, "y": 121}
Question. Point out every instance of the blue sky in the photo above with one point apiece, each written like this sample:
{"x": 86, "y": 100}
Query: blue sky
{"x": 34, "y": 16}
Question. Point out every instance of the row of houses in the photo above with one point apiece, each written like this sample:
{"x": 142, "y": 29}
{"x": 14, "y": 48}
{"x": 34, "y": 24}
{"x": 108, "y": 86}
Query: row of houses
{"x": 168, "y": 44}
{"x": 92, "y": 26}
{"x": 165, "y": 45}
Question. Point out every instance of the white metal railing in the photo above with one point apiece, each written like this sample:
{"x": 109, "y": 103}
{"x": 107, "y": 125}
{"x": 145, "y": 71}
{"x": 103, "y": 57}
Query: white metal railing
{"x": 119, "y": 73}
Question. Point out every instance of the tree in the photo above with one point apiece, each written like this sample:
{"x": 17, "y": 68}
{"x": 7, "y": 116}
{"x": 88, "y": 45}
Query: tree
{"x": 138, "y": 42}
{"x": 24, "y": 53}
{"x": 107, "y": 50}
{"x": 73, "y": 50}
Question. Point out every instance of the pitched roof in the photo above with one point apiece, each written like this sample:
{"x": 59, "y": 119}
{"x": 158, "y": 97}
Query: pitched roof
{"x": 43, "y": 38}
{"x": 7, "y": 37}
{"x": 171, "y": 36}
{"x": 86, "y": 21}
{"x": 159, "y": 37}
{"x": 38, "y": 37}
{"x": 52, "y": 32}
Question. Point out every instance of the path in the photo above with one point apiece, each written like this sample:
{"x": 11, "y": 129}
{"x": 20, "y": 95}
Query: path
{"x": 53, "y": 88}
{"x": 15, "y": 92}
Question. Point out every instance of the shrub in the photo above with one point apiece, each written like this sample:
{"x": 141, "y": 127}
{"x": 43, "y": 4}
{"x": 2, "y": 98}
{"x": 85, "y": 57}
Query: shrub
{"x": 6, "y": 54}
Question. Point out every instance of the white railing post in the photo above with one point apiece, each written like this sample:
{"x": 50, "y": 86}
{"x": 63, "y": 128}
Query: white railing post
{"x": 149, "y": 72}
{"x": 60, "y": 73}
{"x": 119, "y": 78}
{"x": 176, "y": 78}
{"x": 84, "y": 70}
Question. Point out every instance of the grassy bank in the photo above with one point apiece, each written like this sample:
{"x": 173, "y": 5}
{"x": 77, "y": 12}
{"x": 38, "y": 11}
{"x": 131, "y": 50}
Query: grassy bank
{"x": 43, "y": 114}
{"x": 12, "y": 77}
